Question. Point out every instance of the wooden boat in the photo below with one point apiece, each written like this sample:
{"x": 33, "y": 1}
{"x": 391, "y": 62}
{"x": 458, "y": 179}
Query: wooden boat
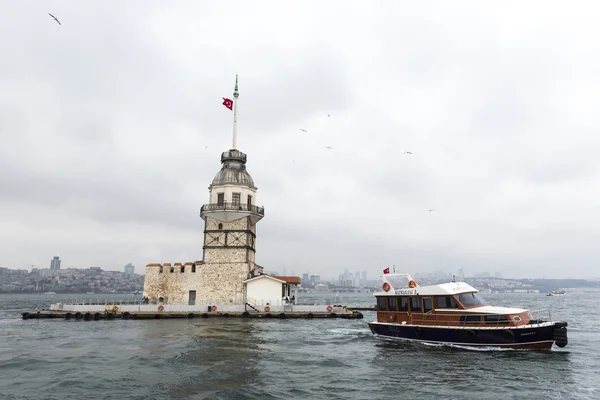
{"x": 455, "y": 313}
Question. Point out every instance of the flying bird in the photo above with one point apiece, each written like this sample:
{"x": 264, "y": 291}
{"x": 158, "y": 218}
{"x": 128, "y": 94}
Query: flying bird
{"x": 303, "y": 130}
{"x": 431, "y": 210}
{"x": 329, "y": 115}
{"x": 407, "y": 152}
{"x": 328, "y": 147}
{"x": 56, "y": 19}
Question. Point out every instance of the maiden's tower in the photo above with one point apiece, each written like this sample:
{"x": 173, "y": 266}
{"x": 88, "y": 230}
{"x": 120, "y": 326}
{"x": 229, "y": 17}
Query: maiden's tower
{"x": 228, "y": 257}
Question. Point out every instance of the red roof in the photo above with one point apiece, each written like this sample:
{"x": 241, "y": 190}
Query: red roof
{"x": 289, "y": 279}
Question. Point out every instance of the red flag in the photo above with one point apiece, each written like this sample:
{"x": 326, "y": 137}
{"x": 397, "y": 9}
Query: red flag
{"x": 228, "y": 103}
{"x": 387, "y": 270}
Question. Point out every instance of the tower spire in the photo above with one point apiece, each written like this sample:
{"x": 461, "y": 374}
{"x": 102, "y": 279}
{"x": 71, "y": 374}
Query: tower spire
{"x": 235, "y": 98}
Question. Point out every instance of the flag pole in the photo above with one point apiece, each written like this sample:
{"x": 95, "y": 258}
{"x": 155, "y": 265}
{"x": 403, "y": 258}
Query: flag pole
{"x": 235, "y": 97}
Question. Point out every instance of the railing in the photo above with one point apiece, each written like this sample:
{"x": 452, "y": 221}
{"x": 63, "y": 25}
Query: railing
{"x": 232, "y": 207}
{"x": 233, "y": 155}
{"x": 465, "y": 319}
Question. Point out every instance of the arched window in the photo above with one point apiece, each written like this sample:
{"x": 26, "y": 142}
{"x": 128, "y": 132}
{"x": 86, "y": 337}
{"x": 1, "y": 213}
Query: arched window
{"x": 172, "y": 269}
{"x": 182, "y": 270}
{"x": 160, "y": 269}
{"x": 220, "y": 226}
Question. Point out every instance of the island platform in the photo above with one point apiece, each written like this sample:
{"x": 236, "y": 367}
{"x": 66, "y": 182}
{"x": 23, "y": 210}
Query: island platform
{"x": 112, "y": 311}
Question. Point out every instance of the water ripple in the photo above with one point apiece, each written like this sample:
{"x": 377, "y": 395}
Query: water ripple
{"x": 275, "y": 359}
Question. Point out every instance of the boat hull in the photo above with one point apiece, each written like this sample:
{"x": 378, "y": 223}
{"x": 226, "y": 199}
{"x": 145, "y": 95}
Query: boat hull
{"x": 533, "y": 337}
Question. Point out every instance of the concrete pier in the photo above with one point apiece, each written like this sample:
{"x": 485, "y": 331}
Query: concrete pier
{"x": 110, "y": 315}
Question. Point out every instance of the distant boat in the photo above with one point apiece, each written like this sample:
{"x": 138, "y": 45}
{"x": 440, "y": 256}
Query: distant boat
{"x": 557, "y": 293}
{"x": 49, "y": 293}
{"x": 90, "y": 293}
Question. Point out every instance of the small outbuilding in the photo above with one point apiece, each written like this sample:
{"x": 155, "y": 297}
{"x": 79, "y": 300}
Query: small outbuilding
{"x": 266, "y": 290}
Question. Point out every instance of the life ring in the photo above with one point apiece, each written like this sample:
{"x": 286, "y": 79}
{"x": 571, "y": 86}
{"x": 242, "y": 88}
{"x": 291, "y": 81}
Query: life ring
{"x": 214, "y": 308}
{"x": 115, "y": 308}
{"x": 329, "y": 308}
{"x": 386, "y": 286}
{"x": 161, "y": 308}
{"x": 267, "y": 309}
{"x": 412, "y": 283}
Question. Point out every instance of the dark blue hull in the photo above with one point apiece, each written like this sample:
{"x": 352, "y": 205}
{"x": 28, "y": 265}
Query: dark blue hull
{"x": 539, "y": 336}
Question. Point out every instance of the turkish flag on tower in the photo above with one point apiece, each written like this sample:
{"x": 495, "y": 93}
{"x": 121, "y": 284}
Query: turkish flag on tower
{"x": 228, "y": 103}
{"x": 387, "y": 270}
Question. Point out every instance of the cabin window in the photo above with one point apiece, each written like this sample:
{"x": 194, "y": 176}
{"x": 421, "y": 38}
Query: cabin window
{"x": 182, "y": 270}
{"x": 172, "y": 269}
{"x": 427, "y": 304}
{"x": 381, "y": 304}
{"x": 446, "y": 302}
{"x": 220, "y": 199}
{"x": 249, "y": 200}
{"x": 160, "y": 270}
{"x": 471, "y": 299}
{"x": 495, "y": 319}
{"x": 415, "y": 304}
{"x": 391, "y": 303}
{"x": 403, "y": 304}
{"x": 235, "y": 198}
{"x": 470, "y": 319}
{"x": 193, "y": 268}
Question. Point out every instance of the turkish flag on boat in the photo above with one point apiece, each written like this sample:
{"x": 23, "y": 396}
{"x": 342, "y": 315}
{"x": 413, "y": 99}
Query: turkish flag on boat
{"x": 228, "y": 103}
{"x": 387, "y": 270}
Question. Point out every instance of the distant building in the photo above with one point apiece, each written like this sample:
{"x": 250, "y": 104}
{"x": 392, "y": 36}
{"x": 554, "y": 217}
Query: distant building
{"x": 129, "y": 269}
{"x": 55, "y": 264}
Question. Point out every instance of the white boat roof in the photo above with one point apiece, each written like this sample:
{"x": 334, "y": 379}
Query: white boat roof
{"x": 399, "y": 286}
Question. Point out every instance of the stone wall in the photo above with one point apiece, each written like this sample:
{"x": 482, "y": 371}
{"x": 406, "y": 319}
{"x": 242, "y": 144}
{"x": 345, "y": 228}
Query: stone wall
{"x": 217, "y": 283}
{"x": 223, "y": 283}
{"x": 173, "y": 285}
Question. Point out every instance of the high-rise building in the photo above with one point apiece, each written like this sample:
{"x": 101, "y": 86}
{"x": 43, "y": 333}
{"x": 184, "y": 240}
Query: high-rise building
{"x": 129, "y": 269}
{"x": 55, "y": 264}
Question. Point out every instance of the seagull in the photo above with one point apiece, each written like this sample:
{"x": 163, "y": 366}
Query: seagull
{"x": 328, "y": 147}
{"x": 329, "y": 115}
{"x": 56, "y": 19}
{"x": 431, "y": 210}
{"x": 303, "y": 130}
{"x": 407, "y": 152}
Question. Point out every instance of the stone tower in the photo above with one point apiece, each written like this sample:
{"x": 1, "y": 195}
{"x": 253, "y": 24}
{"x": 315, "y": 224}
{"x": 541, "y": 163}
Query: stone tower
{"x": 230, "y": 219}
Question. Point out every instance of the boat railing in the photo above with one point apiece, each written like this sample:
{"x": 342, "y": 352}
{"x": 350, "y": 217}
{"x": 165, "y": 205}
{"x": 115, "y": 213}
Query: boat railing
{"x": 467, "y": 319}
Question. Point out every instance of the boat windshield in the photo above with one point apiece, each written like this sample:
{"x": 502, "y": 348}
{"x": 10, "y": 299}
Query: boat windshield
{"x": 471, "y": 300}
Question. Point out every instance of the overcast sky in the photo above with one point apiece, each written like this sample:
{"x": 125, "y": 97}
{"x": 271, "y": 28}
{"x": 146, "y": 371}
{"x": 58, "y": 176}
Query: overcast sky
{"x": 111, "y": 129}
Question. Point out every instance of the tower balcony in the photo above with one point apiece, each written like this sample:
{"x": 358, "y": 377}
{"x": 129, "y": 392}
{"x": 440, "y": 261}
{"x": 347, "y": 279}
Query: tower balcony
{"x": 228, "y": 212}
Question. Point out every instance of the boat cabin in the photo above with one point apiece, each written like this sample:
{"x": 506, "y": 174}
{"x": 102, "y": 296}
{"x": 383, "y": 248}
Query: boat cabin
{"x": 403, "y": 301}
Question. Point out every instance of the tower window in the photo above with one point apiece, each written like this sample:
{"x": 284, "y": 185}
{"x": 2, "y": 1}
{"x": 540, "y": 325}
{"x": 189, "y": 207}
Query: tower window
{"x": 160, "y": 269}
{"x": 172, "y": 269}
{"x": 220, "y": 198}
{"x": 249, "y": 200}
{"x": 220, "y": 226}
{"x": 182, "y": 269}
{"x": 235, "y": 199}
{"x": 193, "y": 268}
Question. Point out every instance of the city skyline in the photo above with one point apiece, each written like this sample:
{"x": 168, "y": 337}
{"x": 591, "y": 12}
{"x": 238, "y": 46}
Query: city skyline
{"x": 382, "y": 135}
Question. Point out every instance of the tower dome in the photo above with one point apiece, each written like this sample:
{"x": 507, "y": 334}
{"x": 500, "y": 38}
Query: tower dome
{"x": 233, "y": 171}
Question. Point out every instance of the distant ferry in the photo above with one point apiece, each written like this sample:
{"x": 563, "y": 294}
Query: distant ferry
{"x": 455, "y": 313}
{"x": 49, "y": 293}
{"x": 557, "y": 293}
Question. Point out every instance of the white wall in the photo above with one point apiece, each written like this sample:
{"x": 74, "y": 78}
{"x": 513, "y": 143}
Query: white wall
{"x": 264, "y": 290}
{"x": 229, "y": 190}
